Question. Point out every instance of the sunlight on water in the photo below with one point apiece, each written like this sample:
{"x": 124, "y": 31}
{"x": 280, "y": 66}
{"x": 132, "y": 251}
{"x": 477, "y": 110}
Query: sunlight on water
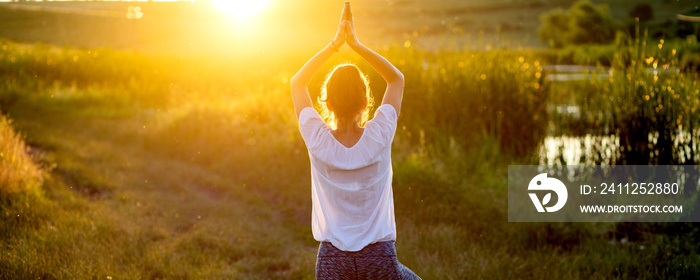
{"x": 578, "y": 150}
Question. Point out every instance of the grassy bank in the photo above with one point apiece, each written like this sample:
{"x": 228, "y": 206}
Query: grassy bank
{"x": 21, "y": 196}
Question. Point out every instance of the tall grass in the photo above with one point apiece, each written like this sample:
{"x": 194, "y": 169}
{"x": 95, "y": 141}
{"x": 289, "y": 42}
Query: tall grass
{"x": 460, "y": 96}
{"x": 21, "y": 194}
{"x": 471, "y": 95}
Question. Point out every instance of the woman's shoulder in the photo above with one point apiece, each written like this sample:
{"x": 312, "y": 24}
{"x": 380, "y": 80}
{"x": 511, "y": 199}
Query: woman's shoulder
{"x": 383, "y": 126}
{"x": 307, "y": 113}
{"x": 309, "y": 118}
{"x": 388, "y": 108}
{"x": 384, "y": 114}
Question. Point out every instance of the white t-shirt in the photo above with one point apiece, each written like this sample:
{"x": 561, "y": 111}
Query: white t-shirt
{"x": 353, "y": 204}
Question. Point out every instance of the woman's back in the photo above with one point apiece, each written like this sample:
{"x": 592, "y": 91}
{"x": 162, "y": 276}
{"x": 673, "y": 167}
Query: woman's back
{"x": 353, "y": 205}
{"x": 351, "y": 186}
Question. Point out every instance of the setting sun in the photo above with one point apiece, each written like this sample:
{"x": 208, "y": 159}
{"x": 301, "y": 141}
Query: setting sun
{"x": 240, "y": 9}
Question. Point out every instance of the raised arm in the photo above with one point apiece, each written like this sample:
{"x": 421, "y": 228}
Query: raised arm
{"x": 393, "y": 77}
{"x": 300, "y": 81}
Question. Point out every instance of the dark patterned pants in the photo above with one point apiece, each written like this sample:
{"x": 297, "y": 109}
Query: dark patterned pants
{"x": 375, "y": 261}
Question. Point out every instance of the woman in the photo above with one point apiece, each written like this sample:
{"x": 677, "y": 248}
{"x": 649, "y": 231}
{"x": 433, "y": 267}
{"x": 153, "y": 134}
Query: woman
{"x": 353, "y": 206}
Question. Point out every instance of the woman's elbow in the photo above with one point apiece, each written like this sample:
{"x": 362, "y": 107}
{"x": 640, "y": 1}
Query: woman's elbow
{"x": 298, "y": 87}
{"x": 398, "y": 78}
{"x": 294, "y": 81}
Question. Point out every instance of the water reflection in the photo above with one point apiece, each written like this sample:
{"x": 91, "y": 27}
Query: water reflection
{"x": 593, "y": 149}
{"x": 588, "y": 150}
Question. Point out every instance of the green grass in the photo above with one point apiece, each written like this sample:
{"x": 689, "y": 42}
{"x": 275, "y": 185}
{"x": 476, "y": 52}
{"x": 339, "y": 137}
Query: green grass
{"x": 166, "y": 218}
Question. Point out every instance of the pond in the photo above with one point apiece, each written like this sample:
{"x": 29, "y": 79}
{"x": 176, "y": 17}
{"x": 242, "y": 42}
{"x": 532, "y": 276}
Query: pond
{"x": 582, "y": 131}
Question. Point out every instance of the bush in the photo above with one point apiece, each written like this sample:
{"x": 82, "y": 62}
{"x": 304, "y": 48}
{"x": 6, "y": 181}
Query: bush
{"x": 584, "y": 23}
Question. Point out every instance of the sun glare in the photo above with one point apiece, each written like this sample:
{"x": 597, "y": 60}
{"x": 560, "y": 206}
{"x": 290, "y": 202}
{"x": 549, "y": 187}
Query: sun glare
{"x": 241, "y": 9}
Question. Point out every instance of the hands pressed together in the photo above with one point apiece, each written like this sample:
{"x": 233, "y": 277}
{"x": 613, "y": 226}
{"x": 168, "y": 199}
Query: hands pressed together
{"x": 346, "y": 30}
{"x": 346, "y": 33}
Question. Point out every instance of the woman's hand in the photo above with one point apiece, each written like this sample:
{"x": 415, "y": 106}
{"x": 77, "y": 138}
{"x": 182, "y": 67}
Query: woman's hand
{"x": 392, "y": 76}
{"x": 350, "y": 35}
{"x": 339, "y": 39}
{"x": 345, "y": 16}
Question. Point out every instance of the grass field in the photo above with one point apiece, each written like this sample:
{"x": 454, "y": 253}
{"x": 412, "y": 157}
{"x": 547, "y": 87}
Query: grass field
{"x": 126, "y": 152}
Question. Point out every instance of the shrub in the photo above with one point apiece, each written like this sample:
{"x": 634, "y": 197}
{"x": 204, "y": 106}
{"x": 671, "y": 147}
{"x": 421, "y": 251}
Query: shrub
{"x": 584, "y": 23}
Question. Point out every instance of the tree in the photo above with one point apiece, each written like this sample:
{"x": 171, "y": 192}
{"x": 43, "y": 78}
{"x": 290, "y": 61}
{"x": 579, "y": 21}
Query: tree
{"x": 554, "y": 27}
{"x": 584, "y": 23}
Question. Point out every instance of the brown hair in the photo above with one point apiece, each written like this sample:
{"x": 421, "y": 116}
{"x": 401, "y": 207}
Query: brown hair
{"x": 345, "y": 91}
